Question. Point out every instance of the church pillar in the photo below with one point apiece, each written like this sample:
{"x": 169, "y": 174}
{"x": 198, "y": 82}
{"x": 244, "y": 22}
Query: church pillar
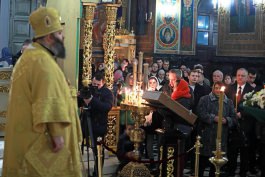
{"x": 109, "y": 42}
{"x": 89, "y": 9}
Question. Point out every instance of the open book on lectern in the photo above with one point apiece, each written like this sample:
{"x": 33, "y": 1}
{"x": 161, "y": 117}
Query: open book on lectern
{"x": 161, "y": 99}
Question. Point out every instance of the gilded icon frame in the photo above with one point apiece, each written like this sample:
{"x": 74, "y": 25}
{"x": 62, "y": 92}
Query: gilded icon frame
{"x": 244, "y": 44}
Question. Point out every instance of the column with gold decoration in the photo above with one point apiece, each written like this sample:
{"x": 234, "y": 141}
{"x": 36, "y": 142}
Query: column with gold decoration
{"x": 89, "y": 9}
{"x": 109, "y": 42}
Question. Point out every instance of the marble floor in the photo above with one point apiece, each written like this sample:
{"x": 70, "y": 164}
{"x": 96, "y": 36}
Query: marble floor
{"x": 111, "y": 163}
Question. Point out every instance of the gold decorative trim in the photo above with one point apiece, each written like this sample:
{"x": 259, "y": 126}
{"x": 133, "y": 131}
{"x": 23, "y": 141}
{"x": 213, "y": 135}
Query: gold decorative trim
{"x": 246, "y": 44}
{"x": 3, "y": 114}
{"x": 161, "y": 157}
{"x": 2, "y": 124}
{"x": 112, "y": 136}
{"x": 4, "y": 89}
{"x": 5, "y": 75}
{"x": 170, "y": 163}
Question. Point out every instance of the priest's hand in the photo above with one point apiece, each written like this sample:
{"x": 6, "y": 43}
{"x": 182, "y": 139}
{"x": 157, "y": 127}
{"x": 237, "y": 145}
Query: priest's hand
{"x": 58, "y": 143}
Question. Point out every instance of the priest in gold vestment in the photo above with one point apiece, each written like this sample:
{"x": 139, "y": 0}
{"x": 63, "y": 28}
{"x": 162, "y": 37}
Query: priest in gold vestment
{"x": 43, "y": 130}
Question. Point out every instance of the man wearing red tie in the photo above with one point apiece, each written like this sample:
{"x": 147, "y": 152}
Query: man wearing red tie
{"x": 241, "y": 137}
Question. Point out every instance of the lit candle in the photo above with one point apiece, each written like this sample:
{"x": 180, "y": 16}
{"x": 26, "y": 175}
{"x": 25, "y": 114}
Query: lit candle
{"x": 134, "y": 97}
{"x": 141, "y": 96}
{"x": 129, "y": 97}
{"x": 138, "y": 98}
{"x": 214, "y": 4}
{"x": 126, "y": 95}
{"x": 140, "y": 66}
{"x": 134, "y": 74}
{"x": 220, "y": 113}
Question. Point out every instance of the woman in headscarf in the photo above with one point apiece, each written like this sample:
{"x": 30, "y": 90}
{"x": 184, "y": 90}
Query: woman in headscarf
{"x": 153, "y": 122}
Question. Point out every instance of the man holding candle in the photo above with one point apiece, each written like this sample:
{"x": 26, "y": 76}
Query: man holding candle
{"x": 240, "y": 137}
{"x": 208, "y": 109}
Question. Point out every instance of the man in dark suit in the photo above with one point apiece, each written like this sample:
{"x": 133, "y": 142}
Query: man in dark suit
{"x": 247, "y": 125}
{"x": 197, "y": 89}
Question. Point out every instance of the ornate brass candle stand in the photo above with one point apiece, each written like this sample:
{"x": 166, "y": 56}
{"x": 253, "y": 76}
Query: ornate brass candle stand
{"x": 137, "y": 136}
{"x": 197, "y": 146}
{"x": 218, "y": 160}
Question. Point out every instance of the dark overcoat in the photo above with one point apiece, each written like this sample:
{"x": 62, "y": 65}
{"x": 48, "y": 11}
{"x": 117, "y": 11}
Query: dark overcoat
{"x": 207, "y": 109}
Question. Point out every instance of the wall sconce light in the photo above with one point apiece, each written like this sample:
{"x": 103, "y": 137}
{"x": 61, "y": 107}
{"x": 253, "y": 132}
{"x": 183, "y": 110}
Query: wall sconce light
{"x": 221, "y": 6}
{"x": 214, "y": 4}
{"x": 259, "y": 3}
{"x": 148, "y": 17}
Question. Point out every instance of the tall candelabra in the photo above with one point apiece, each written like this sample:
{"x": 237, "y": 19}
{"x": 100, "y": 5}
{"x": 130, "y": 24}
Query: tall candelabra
{"x": 218, "y": 160}
{"x": 137, "y": 136}
{"x": 133, "y": 102}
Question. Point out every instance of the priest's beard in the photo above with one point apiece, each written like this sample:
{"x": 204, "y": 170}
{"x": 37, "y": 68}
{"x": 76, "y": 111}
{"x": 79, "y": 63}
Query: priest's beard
{"x": 58, "y": 48}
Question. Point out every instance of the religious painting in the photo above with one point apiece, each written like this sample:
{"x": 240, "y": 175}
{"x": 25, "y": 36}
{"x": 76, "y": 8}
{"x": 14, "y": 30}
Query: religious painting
{"x": 100, "y": 24}
{"x": 242, "y": 16}
{"x": 99, "y": 27}
{"x": 167, "y": 26}
{"x": 142, "y": 16}
{"x": 187, "y": 26}
{"x": 240, "y": 30}
{"x": 174, "y": 27}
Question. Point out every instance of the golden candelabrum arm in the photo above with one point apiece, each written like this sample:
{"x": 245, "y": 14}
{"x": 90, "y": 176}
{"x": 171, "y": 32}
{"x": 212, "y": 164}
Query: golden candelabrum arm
{"x": 109, "y": 42}
{"x": 99, "y": 149}
{"x": 218, "y": 160}
{"x": 89, "y": 9}
{"x": 197, "y": 146}
{"x": 137, "y": 136}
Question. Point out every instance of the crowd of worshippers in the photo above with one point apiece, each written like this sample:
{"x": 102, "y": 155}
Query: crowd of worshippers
{"x": 241, "y": 135}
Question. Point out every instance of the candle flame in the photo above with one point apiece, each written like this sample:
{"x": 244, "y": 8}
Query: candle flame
{"x": 222, "y": 89}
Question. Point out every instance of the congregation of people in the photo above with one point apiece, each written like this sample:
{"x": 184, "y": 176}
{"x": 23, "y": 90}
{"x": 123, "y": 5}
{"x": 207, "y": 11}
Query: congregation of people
{"x": 241, "y": 134}
{"x": 42, "y": 112}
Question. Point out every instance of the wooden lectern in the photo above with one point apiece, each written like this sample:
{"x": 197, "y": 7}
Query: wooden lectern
{"x": 160, "y": 100}
{"x": 173, "y": 142}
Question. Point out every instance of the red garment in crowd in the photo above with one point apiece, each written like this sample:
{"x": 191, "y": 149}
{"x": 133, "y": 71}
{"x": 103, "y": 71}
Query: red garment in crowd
{"x": 182, "y": 91}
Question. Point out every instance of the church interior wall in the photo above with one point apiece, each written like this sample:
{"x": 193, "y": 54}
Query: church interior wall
{"x": 70, "y": 14}
{"x": 4, "y": 16}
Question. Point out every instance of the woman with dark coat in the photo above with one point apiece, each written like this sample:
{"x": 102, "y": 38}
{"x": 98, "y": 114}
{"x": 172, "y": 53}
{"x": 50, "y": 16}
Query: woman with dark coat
{"x": 207, "y": 110}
